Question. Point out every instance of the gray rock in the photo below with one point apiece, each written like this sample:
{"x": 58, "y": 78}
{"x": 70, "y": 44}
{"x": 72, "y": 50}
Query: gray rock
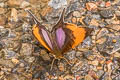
{"x": 57, "y": 3}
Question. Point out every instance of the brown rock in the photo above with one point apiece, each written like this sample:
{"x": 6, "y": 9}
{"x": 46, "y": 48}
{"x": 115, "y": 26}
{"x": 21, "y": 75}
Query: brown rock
{"x": 44, "y": 1}
{"x": 95, "y": 62}
{"x": 114, "y": 40}
{"x": 2, "y": 10}
{"x": 108, "y": 4}
{"x": 23, "y": 14}
{"x": 114, "y": 27}
{"x": 94, "y": 22}
{"x": 99, "y": 67}
{"x": 46, "y": 10}
{"x": 26, "y": 49}
{"x": 117, "y": 54}
{"x": 44, "y": 55}
{"x": 14, "y": 15}
{"x": 81, "y": 20}
{"x": 101, "y": 40}
{"x": 14, "y": 2}
{"x": 102, "y": 33}
{"x": 93, "y": 74}
{"x": 68, "y": 77}
{"x": 29, "y": 59}
{"x": 15, "y": 61}
{"x": 76, "y": 14}
{"x": 88, "y": 77}
{"x": 22, "y": 64}
{"x": 2, "y": 20}
{"x": 74, "y": 20}
{"x": 6, "y": 63}
{"x": 91, "y": 6}
{"x": 2, "y": 4}
{"x": 24, "y": 4}
{"x": 34, "y": 1}
{"x": 61, "y": 67}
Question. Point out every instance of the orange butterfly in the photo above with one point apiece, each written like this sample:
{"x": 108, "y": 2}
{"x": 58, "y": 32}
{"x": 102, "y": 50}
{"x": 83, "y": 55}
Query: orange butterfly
{"x": 62, "y": 38}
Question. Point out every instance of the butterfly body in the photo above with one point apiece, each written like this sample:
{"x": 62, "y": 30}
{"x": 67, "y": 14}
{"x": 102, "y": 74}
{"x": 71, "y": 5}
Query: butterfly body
{"x": 62, "y": 38}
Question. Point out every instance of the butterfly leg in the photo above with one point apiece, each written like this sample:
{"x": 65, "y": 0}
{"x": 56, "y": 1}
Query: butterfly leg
{"x": 66, "y": 60}
{"x": 52, "y": 63}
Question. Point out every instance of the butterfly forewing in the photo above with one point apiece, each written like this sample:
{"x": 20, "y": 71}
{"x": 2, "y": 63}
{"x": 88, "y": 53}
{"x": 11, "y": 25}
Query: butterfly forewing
{"x": 42, "y": 36}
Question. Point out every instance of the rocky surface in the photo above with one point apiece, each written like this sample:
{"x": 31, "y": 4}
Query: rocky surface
{"x": 23, "y": 58}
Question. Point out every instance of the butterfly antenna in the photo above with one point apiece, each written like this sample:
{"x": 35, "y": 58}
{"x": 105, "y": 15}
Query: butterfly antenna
{"x": 33, "y": 16}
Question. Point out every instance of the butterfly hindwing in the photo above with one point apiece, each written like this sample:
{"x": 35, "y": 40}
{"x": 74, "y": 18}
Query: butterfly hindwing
{"x": 79, "y": 33}
{"x": 68, "y": 41}
{"x": 60, "y": 37}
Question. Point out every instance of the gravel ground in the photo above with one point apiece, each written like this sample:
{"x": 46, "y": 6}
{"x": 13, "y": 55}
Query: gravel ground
{"x": 23, "y": 58}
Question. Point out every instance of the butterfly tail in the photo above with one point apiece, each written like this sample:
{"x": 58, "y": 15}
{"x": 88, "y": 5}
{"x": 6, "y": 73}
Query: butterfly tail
{"x": 62, "y": 16}
{"x": 33, "y": 16}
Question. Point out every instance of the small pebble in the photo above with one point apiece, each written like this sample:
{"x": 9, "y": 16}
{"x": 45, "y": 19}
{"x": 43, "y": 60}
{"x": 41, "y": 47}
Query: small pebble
{"x": 56, "y": 4}
{"x": 76, "y": 14}
{"x": 46, "y": 10}
{"x": 88, "y": 77}
{"x": 22, "y": 64}
{"x": 102, "y": 4}
{"x": 2, "y": 4}
{"x": 108, "y": 4}
{"x": 24, "y": 4}
{"x": 91, "y": 6}
{"x": 14, "y": 2}
{"x": 74, "y": 20}
{"x": 44, "y": 55}
{"x": 26, "y": 49}
{"x": 108, "y": 13}
{"x": 31, "y": 59}
{"x": 117, "y": 54}
{"x": 2, "y": 20}
{"x": 61, "y": 67}
{"x": 94, "y": 22}
{"x": 2, "y": 10}
{"x": 14, "y": 15}
{"x": 101, "y": 40}
{"x": 114, "y": 40}
{"x": 95, "y": 62}
{"x": 15, "y": 61}
{"x": 117, "y": 13}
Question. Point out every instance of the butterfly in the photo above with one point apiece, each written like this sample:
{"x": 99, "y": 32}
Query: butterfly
{"x": 63, "y": 36}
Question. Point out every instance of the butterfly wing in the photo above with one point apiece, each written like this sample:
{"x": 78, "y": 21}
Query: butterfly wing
{"x": 43, "y": 37}
{"x": 41, "y": 34}
{"x": 79, "y": 33}
{"x": 68, "y": 35}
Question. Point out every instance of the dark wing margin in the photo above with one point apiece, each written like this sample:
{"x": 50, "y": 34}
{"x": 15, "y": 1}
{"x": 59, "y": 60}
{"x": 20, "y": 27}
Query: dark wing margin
{"x": 69, "y": 41}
